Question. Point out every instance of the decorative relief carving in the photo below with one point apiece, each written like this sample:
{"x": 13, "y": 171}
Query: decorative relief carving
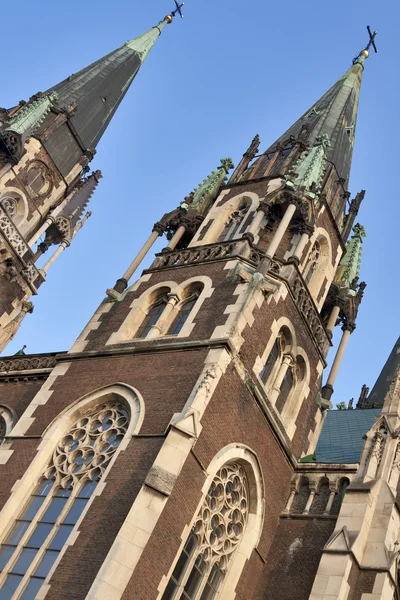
{"x": 27, "y": 363}
{"x": 195, "y": 255}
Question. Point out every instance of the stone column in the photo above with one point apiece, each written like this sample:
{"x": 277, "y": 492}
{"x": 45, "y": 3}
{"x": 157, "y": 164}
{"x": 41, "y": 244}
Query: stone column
{"x": 332, "y": 320}
{"x": 176, "y": 237}
{"x": 327, "y": 390}
{"x": 291, "y": 498}
{"x": 256, "y": 222}
{"x": 277, "y": 238}
{"x": 122, "y": 283}
{"x": 313, "y": 491}
{"x": 332, "y": 489}
{"x": 276, "y": 388}
{"x": 158, "y": 328}
{"x": 64, "y": 244}
{"x": 41, "y": 231}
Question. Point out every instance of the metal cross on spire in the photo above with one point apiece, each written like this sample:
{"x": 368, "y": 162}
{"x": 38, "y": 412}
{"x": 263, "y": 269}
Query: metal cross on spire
{"x": 371, "y": 39}
{"x": 178, "y": 9}
{"x": 368, "y": 46}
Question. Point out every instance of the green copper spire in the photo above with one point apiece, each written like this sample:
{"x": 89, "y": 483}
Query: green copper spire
{"x": 202, "y": 197}
{"x": 349, "y": 266}
{"x": 308, "y": 172}
{"x": 333, "y": 115}
{"x": 144, "y": 43}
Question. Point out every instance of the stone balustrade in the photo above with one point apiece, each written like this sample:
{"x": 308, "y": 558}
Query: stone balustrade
{"x": 26, "y": 363}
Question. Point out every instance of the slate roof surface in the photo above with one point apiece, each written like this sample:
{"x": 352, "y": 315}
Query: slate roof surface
{"x": 381, "y": 387}
{"x": 341, "y": 439}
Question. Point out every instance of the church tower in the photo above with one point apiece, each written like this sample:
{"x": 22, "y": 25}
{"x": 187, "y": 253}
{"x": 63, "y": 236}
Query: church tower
{"x": 46, "y": 145}
{"x": 159, "y": 458}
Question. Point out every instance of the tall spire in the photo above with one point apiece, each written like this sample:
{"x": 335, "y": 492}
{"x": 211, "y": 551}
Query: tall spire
{"x": 382, "y": 384}
{"x": 91, "y": 96}
{"x": 334, "y": 116}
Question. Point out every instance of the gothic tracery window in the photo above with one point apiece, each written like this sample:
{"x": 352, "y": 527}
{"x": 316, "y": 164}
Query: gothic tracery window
{"x": 153, "y": 314}
{"x": 271, "y": 361}
{"x": 216, "y": 534}
{"x": 3, "y": 429}
{"x": 36, "y": 538}
{"x": 234, "y": 222}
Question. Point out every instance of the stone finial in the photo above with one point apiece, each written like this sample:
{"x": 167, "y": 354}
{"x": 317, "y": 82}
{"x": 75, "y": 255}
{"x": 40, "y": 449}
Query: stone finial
{"x": 349, "y": 266}
{"x": 205, "y": 194}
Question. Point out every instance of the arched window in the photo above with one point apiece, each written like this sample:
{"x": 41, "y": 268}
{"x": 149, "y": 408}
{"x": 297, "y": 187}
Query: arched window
{"x": 281, "y": 346}
{"x": 295, "y": 374}
{"x": 271, "y": 361}
{"x": 312, "y": 262}
{"x": 153, "y": 313}
{"x": 35, "y": 540}
{"x": 234, "y": 222}
{"x": 184, "y": 310}
{"x": 220, "y": 525}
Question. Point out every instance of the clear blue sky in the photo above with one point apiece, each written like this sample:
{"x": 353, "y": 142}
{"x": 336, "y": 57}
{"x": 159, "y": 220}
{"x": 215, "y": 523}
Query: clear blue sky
{"x": 229, "y": 70}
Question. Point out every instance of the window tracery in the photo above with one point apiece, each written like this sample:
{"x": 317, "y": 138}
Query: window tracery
{"x": 234, "y": 222}
{"x": 39, "y": 534}
{"x": 3, "y": 429}
{"x": 216, "y": 534}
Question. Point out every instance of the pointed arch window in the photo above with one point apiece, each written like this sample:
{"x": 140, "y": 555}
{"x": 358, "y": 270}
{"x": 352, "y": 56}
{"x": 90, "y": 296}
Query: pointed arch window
{"x": 35, "y": 540}
{"x": 3, "y": 429}
{"x": 312, "y": 262}
{"x": 234, "y": 222}
{"x": 217, "y": 532}
{"x": 153, "y": 314}
{"x": 186, "y": 307}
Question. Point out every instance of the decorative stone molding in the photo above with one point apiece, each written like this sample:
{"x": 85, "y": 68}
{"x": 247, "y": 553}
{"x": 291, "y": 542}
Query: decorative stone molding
{"x": 27, "y": 363}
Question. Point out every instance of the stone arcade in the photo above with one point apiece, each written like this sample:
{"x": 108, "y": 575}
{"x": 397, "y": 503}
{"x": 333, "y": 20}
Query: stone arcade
{"x": 175, "y": 451}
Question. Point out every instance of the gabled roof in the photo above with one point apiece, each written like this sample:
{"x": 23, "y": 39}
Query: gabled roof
{"x": 381, "y": 387}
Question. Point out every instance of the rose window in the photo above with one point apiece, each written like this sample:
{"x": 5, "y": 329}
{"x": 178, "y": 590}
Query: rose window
{"x": 215, "y": 536}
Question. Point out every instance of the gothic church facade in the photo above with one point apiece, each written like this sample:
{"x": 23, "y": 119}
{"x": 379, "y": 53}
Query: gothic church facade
{"x": 171, "y": 452}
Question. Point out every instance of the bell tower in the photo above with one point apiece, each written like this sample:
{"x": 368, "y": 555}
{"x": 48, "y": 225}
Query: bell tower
{"x": 46, "y": 145}
{"x": 203, "y": 378}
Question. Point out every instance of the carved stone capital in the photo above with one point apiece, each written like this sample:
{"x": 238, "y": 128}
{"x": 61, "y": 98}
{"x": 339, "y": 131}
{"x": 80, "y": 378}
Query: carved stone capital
{"x": 159, "y": 228}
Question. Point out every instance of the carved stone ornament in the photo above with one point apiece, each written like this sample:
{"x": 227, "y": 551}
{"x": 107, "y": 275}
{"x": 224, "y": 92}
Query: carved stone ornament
{"x": 27, "y": 363}
{"x": 223, "y": 517}
{"x": 88, "y": 447}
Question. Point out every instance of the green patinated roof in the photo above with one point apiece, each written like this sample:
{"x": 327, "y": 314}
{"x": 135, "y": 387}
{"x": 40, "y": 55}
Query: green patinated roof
{"x": 335, "y": 116}
{"x": 92, "y": 95}
{"x": 28, "y": 118}
{"x": 349, "y": 266}
{"x": 342, "y": 435}
{"x": 308, "y": 172}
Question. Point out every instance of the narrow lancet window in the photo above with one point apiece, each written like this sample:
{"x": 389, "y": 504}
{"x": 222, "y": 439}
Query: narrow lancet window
{"x": 153, "y": 314}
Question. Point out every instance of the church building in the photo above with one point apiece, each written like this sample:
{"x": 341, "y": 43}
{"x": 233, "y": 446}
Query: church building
{"x": 184, "y": 448}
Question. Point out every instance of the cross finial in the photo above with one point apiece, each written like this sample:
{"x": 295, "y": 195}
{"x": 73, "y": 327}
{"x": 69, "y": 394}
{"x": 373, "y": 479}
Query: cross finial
{"x": 371, "y": 39}
{"x": 178, "y": 9}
